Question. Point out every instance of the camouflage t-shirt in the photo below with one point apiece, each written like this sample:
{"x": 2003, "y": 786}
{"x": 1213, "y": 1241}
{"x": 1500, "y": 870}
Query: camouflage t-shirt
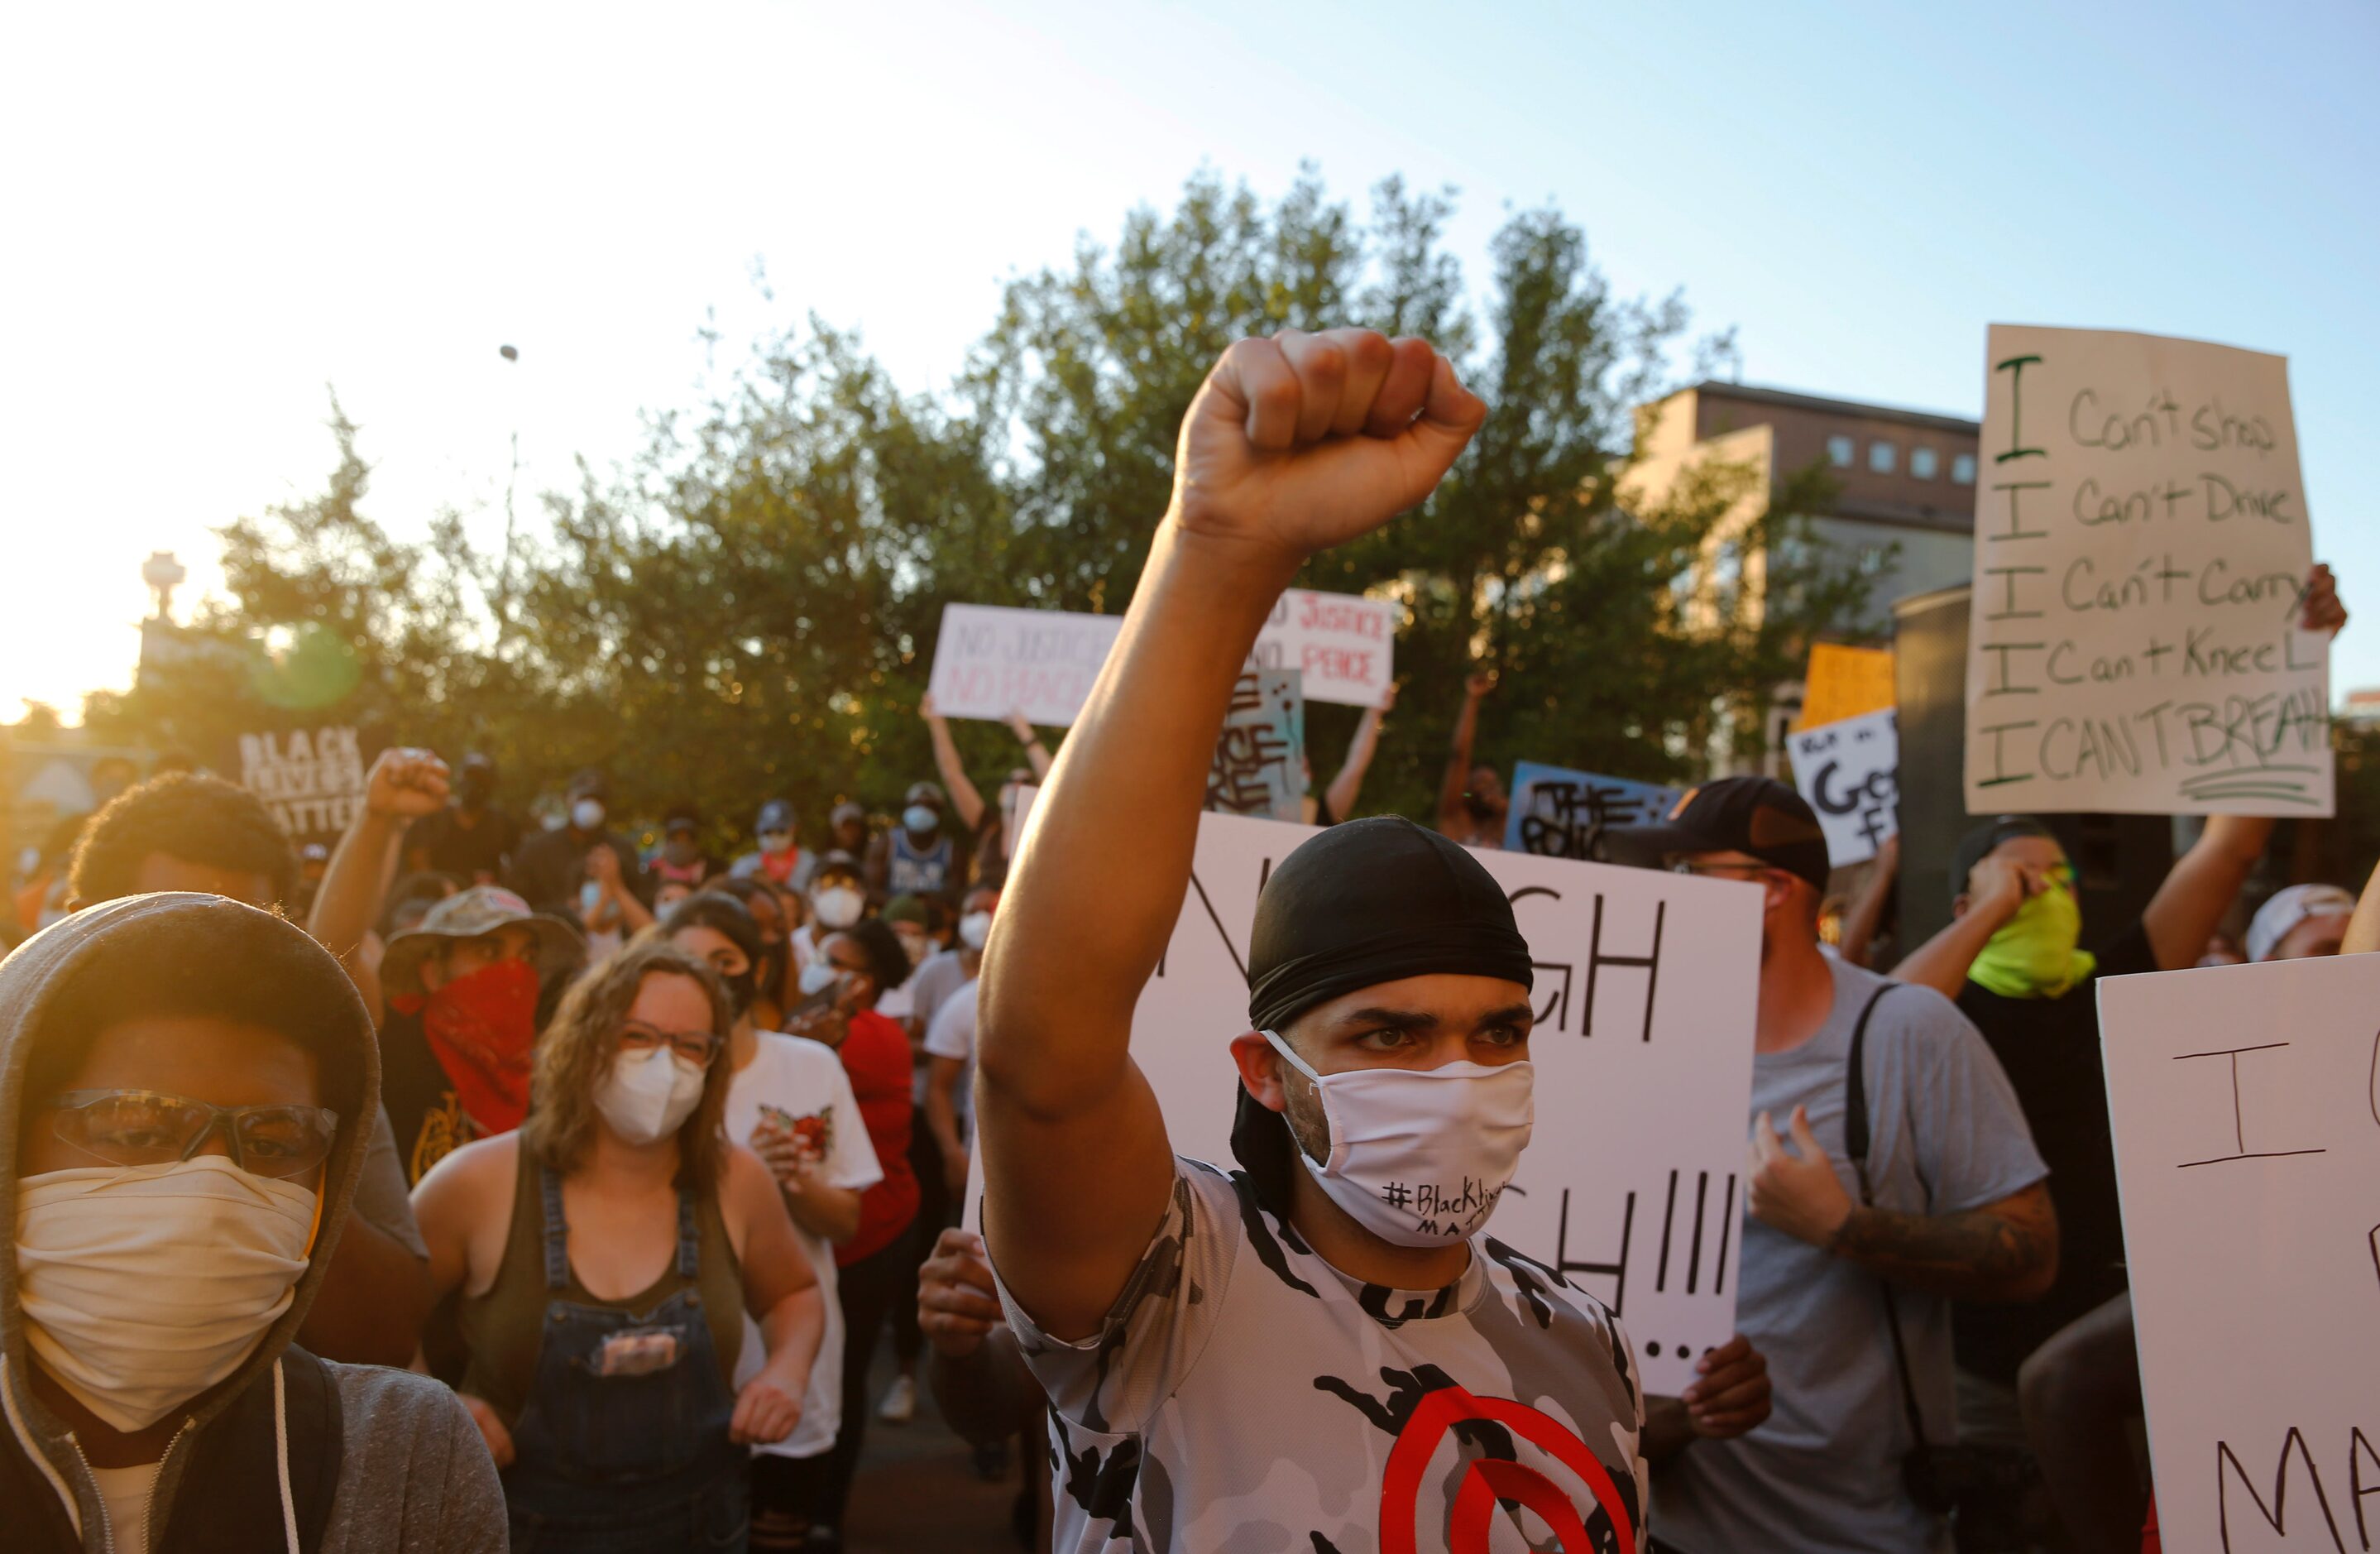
{"x": 1245, "y": 1397}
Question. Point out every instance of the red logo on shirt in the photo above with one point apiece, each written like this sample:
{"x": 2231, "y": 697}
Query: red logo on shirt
{"x": 1488, "y": 1480}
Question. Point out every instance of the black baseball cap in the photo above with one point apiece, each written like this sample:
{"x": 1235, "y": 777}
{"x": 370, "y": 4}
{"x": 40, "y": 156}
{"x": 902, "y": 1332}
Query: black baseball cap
{"x": 1757, "y": 815}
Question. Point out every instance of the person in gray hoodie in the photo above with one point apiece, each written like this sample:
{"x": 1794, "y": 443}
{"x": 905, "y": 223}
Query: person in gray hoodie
{"x": 186, "y": 1087}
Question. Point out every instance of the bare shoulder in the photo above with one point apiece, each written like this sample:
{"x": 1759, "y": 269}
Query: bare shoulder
{"x": 472, "y": 1174}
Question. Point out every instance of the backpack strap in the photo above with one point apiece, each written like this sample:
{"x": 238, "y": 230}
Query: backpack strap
{"x": 1855, "y": 1145}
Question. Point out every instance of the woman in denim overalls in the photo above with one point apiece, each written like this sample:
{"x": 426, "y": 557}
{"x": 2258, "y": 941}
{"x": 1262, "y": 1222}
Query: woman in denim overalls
{"x": 610, "y": 1413}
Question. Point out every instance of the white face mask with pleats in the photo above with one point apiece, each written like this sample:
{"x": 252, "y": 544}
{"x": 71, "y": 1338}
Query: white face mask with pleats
{"x": 1419, "y": 1156}
{"x": 142, "y": 1286}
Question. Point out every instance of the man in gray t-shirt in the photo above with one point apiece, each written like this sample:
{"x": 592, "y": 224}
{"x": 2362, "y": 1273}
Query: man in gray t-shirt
{"x": 1958, "y": 1205}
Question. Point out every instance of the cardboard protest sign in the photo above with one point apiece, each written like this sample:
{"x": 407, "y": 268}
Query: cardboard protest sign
{"x": 1342, "y": 644}
{"x": 1556, "y": 812}
{"x": 1646, "y": 982}
{"x": 989, "y": 662}
{"x": 1843, "y": 682}
{"x": 1847, "y": 771}
{"x": 1261, "y": 758}
{"x": 312, "y": 779}
{"x": 2246, "y": 1106}
{"x": 2140, "y": 548}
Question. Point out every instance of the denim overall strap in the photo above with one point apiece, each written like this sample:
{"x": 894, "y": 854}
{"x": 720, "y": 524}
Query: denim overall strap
{"x": 557, "y": 1233}
{"x": 689, "y": 1239}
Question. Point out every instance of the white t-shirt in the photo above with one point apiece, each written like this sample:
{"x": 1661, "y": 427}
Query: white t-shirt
{"x": 127, "y": 1493}
{"x": 952, "y": 1036}
{"x": 801, "y": 1083}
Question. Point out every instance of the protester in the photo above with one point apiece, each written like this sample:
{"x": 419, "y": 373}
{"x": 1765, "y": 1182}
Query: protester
{"x": 604, "y": 1252}
{"x": 456, "y": 998}
{"x": 552, "y": 869}
{"x": 838, "y": 900}
{"x": 187, "y": 833}
{"x": 918, "y": 857}
{"x": 610, "y": 909}
{"x": 1229, "y": 1360}
{"x": 185, "y": 1084}
{"x": 950, "y": 1083}
{"x": 776, "y": 912}
{"x": 2011, "y": 957}
{"x": 853, "y": 968}
{"x": 680, "y": 859}
{"x": 41, "y": 898}
{"x": 1337, "y": 801}
{"x": 994, "y": 825}
{"x": 1864, "y": 1229}
{"x": 312, "y": 859}
{"x": 790, "y": 1102}
{"x": 1471, "y": 801}
{"x": 472, "y": 839}
{"x": 847, "y": 830}
{"x": 780, "y": 856}
{"x": 2299, "y": 921}
{"x": 980, "y": 1380}
{"x": 911, "y": 920}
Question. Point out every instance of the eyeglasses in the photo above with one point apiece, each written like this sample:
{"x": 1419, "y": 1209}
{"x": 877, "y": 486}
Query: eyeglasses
{"x": 694, "y": 1046}
{"x": 146, "y": 1127}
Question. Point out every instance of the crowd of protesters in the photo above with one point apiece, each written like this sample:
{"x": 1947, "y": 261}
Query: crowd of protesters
{"x": 470, "y": 1184}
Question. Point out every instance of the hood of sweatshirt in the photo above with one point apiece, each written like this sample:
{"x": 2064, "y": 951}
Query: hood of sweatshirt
{"x": 197, "y": 941}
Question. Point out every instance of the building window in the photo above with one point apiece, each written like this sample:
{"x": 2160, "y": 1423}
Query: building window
{"x": 1839, "y": 452}
{"x": 1962, "y": 470}
{"x": 1921, "y": 462}
{"x": 1882, "y": 457}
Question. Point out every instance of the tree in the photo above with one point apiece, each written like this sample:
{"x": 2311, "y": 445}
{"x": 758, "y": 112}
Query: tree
{"x": 748, "y": 612}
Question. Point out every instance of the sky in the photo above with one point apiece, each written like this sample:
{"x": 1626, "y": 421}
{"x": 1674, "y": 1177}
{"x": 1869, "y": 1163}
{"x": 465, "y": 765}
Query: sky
{"x": 218, "y": 215}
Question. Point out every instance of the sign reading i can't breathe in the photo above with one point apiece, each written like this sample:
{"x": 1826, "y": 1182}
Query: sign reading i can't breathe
{"x": 2246, "y": 1106}
{"x": 2142, "y": 547}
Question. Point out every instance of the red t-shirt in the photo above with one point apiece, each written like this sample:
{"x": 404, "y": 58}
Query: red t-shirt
{"x": 875, "y": 1055}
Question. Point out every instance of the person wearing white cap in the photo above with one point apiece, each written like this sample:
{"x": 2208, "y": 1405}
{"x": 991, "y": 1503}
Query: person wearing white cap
{"x": 2299, "y": 921}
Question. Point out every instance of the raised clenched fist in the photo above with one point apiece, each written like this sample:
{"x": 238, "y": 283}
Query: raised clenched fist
{"x": 1303, "y": 441}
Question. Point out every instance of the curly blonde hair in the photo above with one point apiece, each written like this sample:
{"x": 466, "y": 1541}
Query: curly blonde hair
{"x": 577, "y": 1049}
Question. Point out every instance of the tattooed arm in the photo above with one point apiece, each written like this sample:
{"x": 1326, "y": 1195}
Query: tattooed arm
{"x": 2003, "y": 1251}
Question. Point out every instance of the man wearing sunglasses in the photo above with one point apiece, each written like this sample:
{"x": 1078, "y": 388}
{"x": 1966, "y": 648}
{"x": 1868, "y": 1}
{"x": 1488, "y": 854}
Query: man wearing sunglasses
{"x": 1850, "y": 1258}
{"x": 185, "y": 1085}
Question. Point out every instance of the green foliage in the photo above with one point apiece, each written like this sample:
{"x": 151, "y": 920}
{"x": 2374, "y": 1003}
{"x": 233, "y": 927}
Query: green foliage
{"x": 750, "y": 610}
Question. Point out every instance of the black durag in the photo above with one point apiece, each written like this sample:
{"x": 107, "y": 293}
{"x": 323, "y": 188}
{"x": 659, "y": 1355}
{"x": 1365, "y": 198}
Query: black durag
{"x": 1366, "y": 901}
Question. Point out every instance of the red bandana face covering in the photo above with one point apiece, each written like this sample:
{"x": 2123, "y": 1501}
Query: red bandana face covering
{"x": 482, "y": 1027}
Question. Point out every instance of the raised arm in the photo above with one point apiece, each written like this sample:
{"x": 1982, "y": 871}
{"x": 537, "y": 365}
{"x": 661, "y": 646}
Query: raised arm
{"x": 963, "y": 798}
{"x": 404, "y": 785}
{"x": 1344, "y": 787}
{"x": 1293, "y": 444}
{"x": 1867, "y": 912}
{"x": 2199, "y": 889}
{"x": 1996, "y": 888}
{"x": 1451, "y": 816}
{"x": 2363, "y": 929}
{"x": 1036, "y": 753}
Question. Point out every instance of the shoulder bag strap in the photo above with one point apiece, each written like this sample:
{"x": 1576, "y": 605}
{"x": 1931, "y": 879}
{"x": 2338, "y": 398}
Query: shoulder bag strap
{"x": 1855, "y": 1143}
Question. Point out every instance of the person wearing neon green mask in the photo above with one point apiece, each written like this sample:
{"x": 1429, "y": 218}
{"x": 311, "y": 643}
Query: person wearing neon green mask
{"x": 2011, "y": 957}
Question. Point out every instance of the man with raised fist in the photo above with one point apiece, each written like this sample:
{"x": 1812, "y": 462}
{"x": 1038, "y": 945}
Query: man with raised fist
{"x": 1319, "y": 1346}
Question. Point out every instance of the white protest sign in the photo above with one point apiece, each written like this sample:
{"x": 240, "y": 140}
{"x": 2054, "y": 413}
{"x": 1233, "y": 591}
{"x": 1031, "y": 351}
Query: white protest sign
{"x": 1342, "y": 642}
{"x": 2140, "y": 545}
{"x": 1848, "y": 770}
{"x": 2246, "y": 1107}
{"x": 1259, "y": 765}
{"x": 989, "y": 662}
{"x": 1646, "y": 984}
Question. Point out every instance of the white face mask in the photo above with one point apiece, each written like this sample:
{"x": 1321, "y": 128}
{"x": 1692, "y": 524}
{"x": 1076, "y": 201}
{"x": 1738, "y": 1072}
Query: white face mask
{"x": 1419, "y": 1156}
{"x": 647, "y": 1095}
{"x": 973, "y": 928}
{"x": 143, "y": 1286}
{"x": 817, "y": 978}
{"x": 776, "y": 841}
{"x": 920, "y": 821}
{"x": 587, "y": 814}
{"x": 838, "y": 906}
